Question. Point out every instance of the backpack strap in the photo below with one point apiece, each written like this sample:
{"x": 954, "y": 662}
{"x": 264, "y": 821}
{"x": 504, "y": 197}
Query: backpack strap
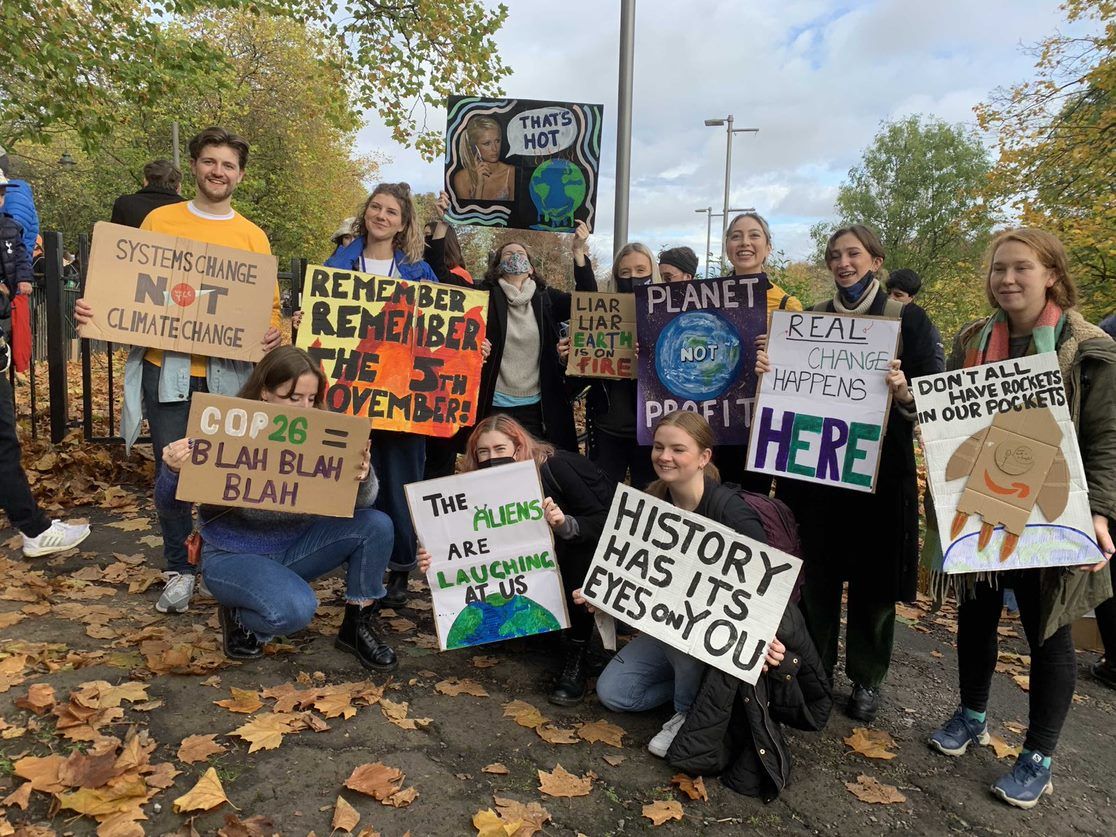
{"x": 783, "y": 302}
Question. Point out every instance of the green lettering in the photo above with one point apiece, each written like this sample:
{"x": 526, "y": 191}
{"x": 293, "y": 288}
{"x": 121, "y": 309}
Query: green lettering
{"x": 857, "y": 431}
{"x": 802, "y": 424}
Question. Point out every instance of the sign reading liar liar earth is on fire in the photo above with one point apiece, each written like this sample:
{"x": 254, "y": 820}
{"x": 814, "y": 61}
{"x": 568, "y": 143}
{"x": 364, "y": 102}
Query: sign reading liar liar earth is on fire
{"x": 406, "y": 355}
{"x": 493, "y": 574}
{"x": 602, "y": 335}
{"x": 694, "y": 584}
{"x": 158, "y": 290}
{"x": 821, "y": 411}
{"x": 257, "y": 455}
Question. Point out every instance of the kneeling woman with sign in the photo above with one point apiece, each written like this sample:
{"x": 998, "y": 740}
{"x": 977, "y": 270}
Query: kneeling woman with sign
{"x": 720, "y": 724}
{"x": 257, "y": 564}
{"x": 577, "y": 499}
{"x": 1033, "y": 299}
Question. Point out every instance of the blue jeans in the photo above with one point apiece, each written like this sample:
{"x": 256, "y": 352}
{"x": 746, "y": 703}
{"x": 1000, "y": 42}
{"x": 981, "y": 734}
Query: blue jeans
{"x": 398, "y": 459}
{"x": 271, "y": 594}
{"x": 167, "y": 421}
{"x": 647, "y": 673}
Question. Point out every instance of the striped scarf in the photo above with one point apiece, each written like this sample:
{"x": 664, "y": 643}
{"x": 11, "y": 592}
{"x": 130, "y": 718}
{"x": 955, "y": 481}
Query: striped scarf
{"x": 992, "y": 342}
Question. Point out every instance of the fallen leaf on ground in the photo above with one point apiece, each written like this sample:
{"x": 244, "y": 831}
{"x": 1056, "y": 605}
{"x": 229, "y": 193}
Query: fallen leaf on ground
{"x": 82, "y": 770}
{"x": 1023, "y": 681}
{"x": 19, "y": 797}
{"x": 560, "y": 782}
{"x": 42, "y": 773}
{"x": 401, "y": 625}
{"x": 198, "y": 748}
{"x": 244, "y": 701}
{"x": 1002, "y": 749}
{"x": 376, "y": 780}
{"x": 937, "y": 655}
{"x": 1014, "y": 726}
{"x": 524, "y": 714}
{"x": 135, "y": 524}
{"x": 153, "y": 541}
{"x": 496, "y": 769}
{"x": 266, "y": 731}
{"x": 488, "y": 824}
{"x": 257, "y": 826}
{"x": 39, "y": 699}
{"x": 871, "y": 743}
{"x": 659, "y": 811}
{"x": 693, "y": 788}
{"x": 206, "y": 795}
{"x": 396, "y": 713}
{"x": 615, "y": 761}
{"x": 401, "y": 799}
{"x": 556, "y": 735}
{"x": 601, "y": 731}
{"x": 484, "y": 662}
{"x": 533, "y": 816}
{"x": 867, "y": 789}
{"x": 345, "y": 816}
{"x": 454, "y": 687}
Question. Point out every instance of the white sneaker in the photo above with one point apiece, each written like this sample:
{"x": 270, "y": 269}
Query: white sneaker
{"x": 659, "y": 745}
{"x": 58, "y": 538}
{"x": 176, "y": 595}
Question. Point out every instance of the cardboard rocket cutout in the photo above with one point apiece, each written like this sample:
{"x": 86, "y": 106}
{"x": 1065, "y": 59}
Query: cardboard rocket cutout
{"x": 1012, "y": 465}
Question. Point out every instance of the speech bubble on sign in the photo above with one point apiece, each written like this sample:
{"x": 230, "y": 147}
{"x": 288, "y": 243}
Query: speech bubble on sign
{"x": 540, "y": 132}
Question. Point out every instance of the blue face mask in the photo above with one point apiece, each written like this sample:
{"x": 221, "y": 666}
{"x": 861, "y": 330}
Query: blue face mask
{"x": 515, "y": 264}
{"x": 852, "y": 294}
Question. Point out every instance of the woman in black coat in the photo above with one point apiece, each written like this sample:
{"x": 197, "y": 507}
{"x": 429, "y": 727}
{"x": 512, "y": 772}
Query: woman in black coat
{"x": 577, "y": 497}
{"x": 868, "y": 540}
{"x": 522, "y": 376}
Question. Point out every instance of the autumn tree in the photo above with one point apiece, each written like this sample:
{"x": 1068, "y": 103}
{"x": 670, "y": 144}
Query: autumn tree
{"x": 1057, "y": 147}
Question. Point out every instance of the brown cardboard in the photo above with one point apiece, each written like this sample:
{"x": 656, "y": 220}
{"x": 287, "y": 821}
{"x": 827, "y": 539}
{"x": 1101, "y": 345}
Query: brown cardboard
{"x": 602, "y": 335}
{"x": 1086, "y": 635}
{"x": 252, "y": 454}
{"x": 158, "y": 290}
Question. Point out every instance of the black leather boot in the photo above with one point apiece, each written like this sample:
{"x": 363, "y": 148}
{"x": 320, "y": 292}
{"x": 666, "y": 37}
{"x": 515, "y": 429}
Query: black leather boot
{"x": 863, "y": 704}
{"x": 570, "y": 688}
{"x": 396, "y": 589}
{"x": 360, "y": 636}
{"x": 240, "y": 643}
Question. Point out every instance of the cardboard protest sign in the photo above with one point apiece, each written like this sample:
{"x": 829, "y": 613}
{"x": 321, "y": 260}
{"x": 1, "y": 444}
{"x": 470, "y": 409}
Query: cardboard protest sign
{"x": 821, "y": 411}
{"x": 602, "y": 335}
{"x": 698, "y": 352}
{"x": 522, "y": 163}
{"x": 1004, "y": 467}
{"x": 493, "y": 573}
{"x": 694, "y": 584}
{"x": 258, "y": 455}
{"x": 164, "y": 292}
{"x": 405, "y": 355}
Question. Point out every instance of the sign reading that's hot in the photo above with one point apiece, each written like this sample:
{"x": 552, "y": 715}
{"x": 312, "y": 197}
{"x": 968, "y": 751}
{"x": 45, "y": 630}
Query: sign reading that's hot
{"x": 157, "y": 290}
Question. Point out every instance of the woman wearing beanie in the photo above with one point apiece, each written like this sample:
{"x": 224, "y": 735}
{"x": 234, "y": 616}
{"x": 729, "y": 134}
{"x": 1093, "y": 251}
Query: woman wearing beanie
{"x": 867, "y": 540}
{"x": 678, "y": 264}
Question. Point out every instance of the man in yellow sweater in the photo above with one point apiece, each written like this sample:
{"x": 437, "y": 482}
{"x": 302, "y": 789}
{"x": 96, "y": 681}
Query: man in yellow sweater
{"x": 159, "y": 384}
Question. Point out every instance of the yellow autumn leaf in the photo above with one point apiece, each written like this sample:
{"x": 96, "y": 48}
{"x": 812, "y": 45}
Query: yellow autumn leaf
{"x": 206, "y": 795}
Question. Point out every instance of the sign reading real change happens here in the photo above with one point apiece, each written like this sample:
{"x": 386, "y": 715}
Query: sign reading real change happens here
{"x": 493, "y": 574}
{"x": 602, "y": 335}
{"x": 257, "y": 455}
{"x": 406, "y": 355}
{"x": 694, "y": 584}
{"x": 1004, "y": 467}
{"x": 157, "y": 290}
{"x": 698, "y": 352}
{"x": 822, "y": 410}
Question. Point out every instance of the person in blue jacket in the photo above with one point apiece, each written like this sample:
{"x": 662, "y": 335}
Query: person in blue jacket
{"x": 389, "y": 242}
{"x": 20, "y": 203}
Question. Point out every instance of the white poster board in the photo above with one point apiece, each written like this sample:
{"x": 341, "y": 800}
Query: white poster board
{"x": 821, "y": 412}
{"x": 1004, "y": 467}
{"x": 493, "y": 573}
{"x": 696, "y": 585}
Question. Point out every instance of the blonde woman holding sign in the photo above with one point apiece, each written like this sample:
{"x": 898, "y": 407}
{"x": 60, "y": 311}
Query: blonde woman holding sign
{"x": 258, "y": 564}
{"x": 1033, "y": 299}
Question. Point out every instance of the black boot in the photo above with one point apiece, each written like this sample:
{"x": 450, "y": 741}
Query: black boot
{"x": 863, "y": 704}
{"x": 396, "y": 589}
{"x": 360, "y": 636}
{"x": 570, "y": 688}
{"x": 240, "y": 643}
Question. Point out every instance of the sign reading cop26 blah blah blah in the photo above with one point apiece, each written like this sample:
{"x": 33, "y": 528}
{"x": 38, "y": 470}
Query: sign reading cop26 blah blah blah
{"x": 822, "y": 410}
{"x": 694, "y": 584}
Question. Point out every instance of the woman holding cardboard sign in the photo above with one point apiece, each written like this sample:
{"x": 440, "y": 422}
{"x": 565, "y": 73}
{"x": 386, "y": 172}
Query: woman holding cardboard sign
{"x": 1033, "y": 298}
{"x": 869, "y": 540}
{"x": 258, "y": 564}
{"x": 577, "y": 499}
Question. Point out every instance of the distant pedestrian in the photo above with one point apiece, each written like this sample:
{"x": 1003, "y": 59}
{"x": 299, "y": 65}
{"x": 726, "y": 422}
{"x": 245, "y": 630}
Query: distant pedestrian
{"x": 161, "y": 183}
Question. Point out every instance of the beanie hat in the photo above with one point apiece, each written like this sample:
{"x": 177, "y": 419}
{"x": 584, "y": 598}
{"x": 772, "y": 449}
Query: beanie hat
{"x": 682, "y": 258}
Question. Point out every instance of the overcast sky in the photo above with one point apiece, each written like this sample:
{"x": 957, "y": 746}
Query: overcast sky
{"x": 816, "y": 77}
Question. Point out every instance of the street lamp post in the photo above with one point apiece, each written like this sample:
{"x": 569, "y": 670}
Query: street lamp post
{"x": 729, "y": 131}
{"x": 709, "y": 216}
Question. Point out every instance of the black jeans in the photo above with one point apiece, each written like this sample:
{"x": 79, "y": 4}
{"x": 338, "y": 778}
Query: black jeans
{"x": 398, "y": 459}
{"x": 530, "y": 416}
{"x": 1106, "y": 624}
{"x": 167, "y": 422}
{"x": 619, "y": 455}
{"x": 1053, "y": 662}
{"x": 15, "y": 493}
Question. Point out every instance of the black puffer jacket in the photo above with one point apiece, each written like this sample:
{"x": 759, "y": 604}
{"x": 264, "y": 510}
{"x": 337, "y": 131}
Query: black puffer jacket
{"x": 732, "y": 729}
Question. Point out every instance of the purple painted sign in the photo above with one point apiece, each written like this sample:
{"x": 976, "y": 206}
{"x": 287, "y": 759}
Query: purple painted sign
{"x": 697, "y": 352}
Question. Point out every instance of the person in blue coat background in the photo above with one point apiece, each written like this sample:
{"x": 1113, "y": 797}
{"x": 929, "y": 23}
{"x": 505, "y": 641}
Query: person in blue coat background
{"x": 20, "y": 203}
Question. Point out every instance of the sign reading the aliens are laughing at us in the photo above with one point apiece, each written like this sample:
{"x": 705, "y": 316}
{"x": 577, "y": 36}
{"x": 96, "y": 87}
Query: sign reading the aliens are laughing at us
{"x": 698, "y": 352}
{"x": 522, "y": 163}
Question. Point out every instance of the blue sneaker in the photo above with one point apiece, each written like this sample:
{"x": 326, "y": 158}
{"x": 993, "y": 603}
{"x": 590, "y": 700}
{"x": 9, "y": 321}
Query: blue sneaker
{"x": 1026, "y": 783}
{"x": 956, "y": 734}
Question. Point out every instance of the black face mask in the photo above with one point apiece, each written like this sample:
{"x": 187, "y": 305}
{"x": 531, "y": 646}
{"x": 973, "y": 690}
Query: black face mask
{"x": 496, "y": 460}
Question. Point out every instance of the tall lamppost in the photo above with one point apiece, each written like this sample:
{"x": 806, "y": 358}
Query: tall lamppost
{"x": 729, "y": 131}
{"x": 709, "y": 216}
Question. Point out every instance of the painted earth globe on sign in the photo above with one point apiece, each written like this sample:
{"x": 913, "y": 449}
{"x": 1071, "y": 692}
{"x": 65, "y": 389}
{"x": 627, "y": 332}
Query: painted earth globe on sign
{"x": 498, "y": 618}
{"x": 558, "y": 190}
{"x": 697, "y": 355}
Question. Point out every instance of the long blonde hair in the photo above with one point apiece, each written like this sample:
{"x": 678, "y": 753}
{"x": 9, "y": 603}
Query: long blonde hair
{"x": 466, "y": 145}
{"x": 697, "y": 428}
{"x": 643, "y": 250}
{"x": 409, "y": 239}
